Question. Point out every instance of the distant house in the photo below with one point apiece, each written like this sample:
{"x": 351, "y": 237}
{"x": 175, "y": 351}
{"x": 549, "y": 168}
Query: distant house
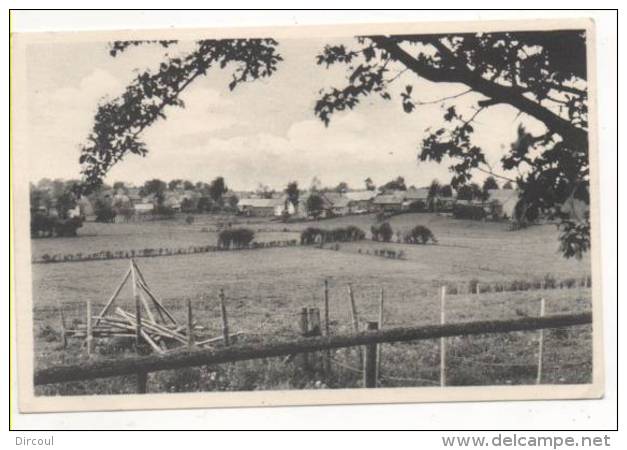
{"x": 302, "y": 211}
{"x": 144, "y": 208}
{"x": 87, "y": 209}
{"x": 360, "y": 202}
{"x": 74, "y": 212}
{"x": 173, "y": 200}
{"x": 389, "y": 202}
{"x": 133, "y": 195}
{"x": 338, "y": 203}
{"x": 262, "y": 207}
{"x": 414, "y": 196}
{"x": 502, "y": 203}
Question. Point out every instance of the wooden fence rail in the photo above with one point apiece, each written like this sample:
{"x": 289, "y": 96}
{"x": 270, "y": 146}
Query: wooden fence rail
{"x": 192, "y": 358}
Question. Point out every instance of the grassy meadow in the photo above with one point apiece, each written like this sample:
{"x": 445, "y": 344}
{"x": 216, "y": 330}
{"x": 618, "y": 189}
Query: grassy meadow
{"x": 266, "y": 288}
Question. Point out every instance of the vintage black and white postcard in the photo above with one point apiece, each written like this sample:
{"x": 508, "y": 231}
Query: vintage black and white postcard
{"x": 306, "y": 215}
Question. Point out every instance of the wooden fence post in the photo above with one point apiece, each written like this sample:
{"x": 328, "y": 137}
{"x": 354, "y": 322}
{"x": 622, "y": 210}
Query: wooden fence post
{"x": 138, "y": 312}
{"x": 314, "y": 329}
{"x": 379, "y": 346}
{"x": 225, "y": 322}
{"x": 303, "y": 324}
{"x": 142, "y": 382}
{"x": 63, "y": 329}
{"x": 89, "y": 339}
{"x": 443, "y": 339}
{"x": 355, "y": 320}
{"x": 142, "y": 376}
{"x": 370, "y": 361}
{"x": 190, "y": 325}
{"x": 327, "y": 357}
{"x": 540, "y": 344}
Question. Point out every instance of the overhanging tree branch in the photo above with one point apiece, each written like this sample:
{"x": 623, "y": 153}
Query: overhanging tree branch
{"x": 576, "y": 137}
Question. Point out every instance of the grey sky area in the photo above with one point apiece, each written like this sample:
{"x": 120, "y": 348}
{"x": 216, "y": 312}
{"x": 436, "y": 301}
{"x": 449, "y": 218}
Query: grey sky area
{"x": 263, "y": 132}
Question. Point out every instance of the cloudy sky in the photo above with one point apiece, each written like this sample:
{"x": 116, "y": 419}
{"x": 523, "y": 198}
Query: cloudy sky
{"x": 263, "y": 132}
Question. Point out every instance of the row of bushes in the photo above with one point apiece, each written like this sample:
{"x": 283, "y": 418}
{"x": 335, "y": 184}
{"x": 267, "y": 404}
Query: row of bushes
{"x": 549, "y": 282}
{"x": 153, "y": 252}
{"x": 312, "y": 235}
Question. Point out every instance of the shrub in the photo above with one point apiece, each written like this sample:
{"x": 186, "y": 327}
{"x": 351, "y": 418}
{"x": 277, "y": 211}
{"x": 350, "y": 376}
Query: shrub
{"x": 41, "y": 225}
{"x": 236, "y": 238}
{"x": 165, "y": 211}
{"x": 418, "y": 206}
{"x": 549, "y": 281}
{"x": 419, "y": 235}
{"x": 312, "y": 235}
{"x": 570, "y": 282}
{"x": 189, "y": 219}
{"x": 67, "y": 227}
{"x": 471, "y": 212}
{"x": 382, "y": 232}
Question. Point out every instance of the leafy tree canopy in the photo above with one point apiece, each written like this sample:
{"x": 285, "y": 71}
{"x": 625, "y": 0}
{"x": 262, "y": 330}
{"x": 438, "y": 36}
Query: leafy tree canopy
{"x": 292, "y": 192}
{"x": 394, "y": 185}
{"x": 118, "y": 123}
{"x": 541, "y": 74}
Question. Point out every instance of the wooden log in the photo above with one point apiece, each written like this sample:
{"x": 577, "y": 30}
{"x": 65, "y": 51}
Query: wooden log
{"x": 303, "y": 323}
{"x": 151, "y": 342}
{"x": 540, "y": 345}
{"x": 138, "y": 324}
{"x": 113, "y": 296}
{"x": 63, "y": 327}
{"x": 142, "y": 382}
{"x": 140, "y": 328}
{"x": 313, "y": 322}
{"x": 154, "y": 327}
{"x": 355, "y": 320}
{"x": 201, "y": 357}
{"x": 158, "y": 304}
{"x": 370, "y": 359}
{"x": 379, "y": 346}
{"x": 137, "y": 293}
{"x": 327, "y": 356}
{"x": 443, "y": 339}
{"x": 314, "y": 329}
{"x": 225, "y": 322}
{"x": 190, "y": 325}
{"x": 326, "y": 308}
{"x": 219, "y": 338}
{"x": 89, "y": 340}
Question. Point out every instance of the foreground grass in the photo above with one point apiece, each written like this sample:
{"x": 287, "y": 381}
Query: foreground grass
{"x": 497, "y": 359}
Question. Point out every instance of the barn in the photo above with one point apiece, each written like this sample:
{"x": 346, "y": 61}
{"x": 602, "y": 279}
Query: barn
{"x": 389, "y": 202}
{"x": 263, "y": 207}
{"x": 360, "y": 202}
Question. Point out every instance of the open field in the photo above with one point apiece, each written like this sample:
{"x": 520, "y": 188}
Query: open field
{"x": 266, "y": 288}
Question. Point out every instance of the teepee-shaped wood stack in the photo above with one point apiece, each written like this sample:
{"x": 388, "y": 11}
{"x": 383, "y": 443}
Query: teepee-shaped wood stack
{"x": 151, "y": 322}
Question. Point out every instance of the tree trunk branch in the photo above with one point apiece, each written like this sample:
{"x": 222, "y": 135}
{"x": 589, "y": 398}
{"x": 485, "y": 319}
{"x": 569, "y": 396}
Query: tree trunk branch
{"x": 574, "y": 136}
